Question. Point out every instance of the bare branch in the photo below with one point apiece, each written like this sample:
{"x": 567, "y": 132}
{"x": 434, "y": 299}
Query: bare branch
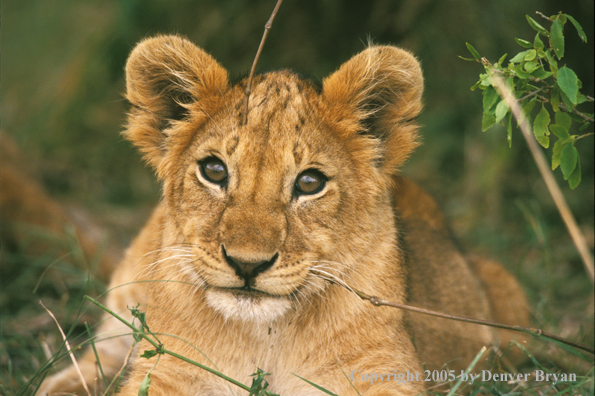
{"x": 267, "y": 28}
{"x": 530, "y": 330}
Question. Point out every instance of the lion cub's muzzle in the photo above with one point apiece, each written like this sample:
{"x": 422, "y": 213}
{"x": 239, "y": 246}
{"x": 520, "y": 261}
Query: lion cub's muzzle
{"x": 248, "y": 270}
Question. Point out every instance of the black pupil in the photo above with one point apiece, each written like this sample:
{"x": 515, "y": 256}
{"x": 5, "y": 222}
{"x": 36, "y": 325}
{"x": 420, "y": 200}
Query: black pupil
{"x": 214, "y": 170}
{"x": 309, "y": 182}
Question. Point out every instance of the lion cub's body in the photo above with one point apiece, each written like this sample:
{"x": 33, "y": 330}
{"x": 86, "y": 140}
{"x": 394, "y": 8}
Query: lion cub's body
{"x": 247, "y": 269}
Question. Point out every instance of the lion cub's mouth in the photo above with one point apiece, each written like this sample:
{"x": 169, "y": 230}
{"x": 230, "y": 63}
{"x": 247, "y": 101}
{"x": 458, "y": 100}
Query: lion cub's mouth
{"x": 246, "y": 292}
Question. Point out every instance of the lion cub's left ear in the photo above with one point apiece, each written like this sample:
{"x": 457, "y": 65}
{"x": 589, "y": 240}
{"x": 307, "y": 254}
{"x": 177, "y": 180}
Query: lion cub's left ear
{"x": 377, "y": 93}
{"x": 165, "y": 76}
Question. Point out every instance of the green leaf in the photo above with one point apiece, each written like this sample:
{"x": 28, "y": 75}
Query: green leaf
{"x": 532, "y": 54}
{"x": 537, "y": 43}
{"x": 473, "y": 51}
{"x": 474, "y": 87}
{"x": 149, "y": 353}
{"x": 567, "y": 101}
{"x": 540, "y": 127}
{"x": 528, "y": 108}
{"x": 560, "y": 131}
{"x": 520, "y": 72}
{"x": 557, "y": 152}
{"x": 501, "y": 111}
{"x": 520, "y": 56}
{"x": 501, "y": 60}
{"x": 490, "y": 97}
{"x": 568, "y": 82}
{"x": 552, "y": 61}
{"x": 575, "y": 178}
{"x": 467, "y": 59}
{"x": 541, "y": 53}
{"x": 578, "y": 28}
{"x": 563, "y": 119}
{"x": 541, "y": 74}
{"x": 561, "y": 16}
{"x": 530, "y": 66}
{"x": 485, "y": 80}
{"x": 568, "y": 159}
{"x": 144, "y": 386}
{"x": 524, "y": 43}
{"x": 584, "y": 126}
{"x": 557, "y": 38}
{"x": 487, "y": 121}
{"x": 537, "y": 27}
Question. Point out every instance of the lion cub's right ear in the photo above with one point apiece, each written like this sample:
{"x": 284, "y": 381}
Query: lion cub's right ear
{"x": 166, "y": 78}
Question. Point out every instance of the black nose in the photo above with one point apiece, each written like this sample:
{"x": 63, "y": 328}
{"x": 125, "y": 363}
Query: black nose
{"x": 248, "y": 270}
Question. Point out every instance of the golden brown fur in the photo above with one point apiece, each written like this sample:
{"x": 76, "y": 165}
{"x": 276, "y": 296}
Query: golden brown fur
{"x": 209, "y": 237}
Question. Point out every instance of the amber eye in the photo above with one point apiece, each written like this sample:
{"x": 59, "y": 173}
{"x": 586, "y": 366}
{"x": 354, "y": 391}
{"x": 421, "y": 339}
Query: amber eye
{"x": 214, "y": 170}
{"x": 310, "y": 182}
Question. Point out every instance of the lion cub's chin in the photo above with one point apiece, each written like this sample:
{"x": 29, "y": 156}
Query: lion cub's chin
{"x": 245, "y": 307}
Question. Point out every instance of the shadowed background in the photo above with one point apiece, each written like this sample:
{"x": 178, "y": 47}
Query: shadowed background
{"x": 62, "y": 102}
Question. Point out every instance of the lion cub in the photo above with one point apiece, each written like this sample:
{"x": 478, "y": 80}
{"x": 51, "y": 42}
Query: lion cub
{"x": 243, "y": 261}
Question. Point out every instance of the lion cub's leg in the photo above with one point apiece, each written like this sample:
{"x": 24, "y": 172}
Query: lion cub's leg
{"x": 442, "y": 279}
{"x": 507, "y": 301}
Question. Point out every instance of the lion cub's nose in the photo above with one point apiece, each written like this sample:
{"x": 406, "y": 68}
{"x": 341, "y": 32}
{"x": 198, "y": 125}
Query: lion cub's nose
{"x": 249, "y": 269}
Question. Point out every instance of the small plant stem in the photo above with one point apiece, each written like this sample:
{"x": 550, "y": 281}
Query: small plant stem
{"x": 267, "y": 28}
{"x": 530, "y": 330}
{"x": 161, "y": 350}
{"x": 546, "y": 174}
{"x": 96, "y": 355}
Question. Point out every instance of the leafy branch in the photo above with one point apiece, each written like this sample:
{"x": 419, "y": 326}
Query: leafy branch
{"x": 538, "y": 83}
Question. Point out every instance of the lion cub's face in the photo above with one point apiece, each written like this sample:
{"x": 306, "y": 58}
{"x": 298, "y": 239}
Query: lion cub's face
{"x": 267, "y": 212}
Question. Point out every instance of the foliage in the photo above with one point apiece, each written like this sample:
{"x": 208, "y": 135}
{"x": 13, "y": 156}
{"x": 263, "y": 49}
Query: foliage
{"x": 535, "y": 77}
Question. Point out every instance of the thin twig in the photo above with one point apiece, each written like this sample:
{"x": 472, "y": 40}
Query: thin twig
{"x": 531, "y": 94}
{"x": 537, "y": 332}
{"x": 543, "y": 16}
{"x": 267, "y": 28}
{"x": 546, "y": 174}
{"x": 67, "y": 344}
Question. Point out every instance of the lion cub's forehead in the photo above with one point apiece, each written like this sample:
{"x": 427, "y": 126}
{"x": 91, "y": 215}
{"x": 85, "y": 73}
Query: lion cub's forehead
{"x": 281, "y": 105}
{"x": 283, "y": 115}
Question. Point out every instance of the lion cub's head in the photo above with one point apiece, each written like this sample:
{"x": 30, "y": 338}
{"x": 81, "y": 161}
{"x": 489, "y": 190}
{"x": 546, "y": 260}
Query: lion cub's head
{"x": 266, "y": 212}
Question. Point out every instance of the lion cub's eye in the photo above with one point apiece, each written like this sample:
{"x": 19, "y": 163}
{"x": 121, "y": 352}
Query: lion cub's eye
{"x": 214, "y": 170}
{"x": 310, "y": 182}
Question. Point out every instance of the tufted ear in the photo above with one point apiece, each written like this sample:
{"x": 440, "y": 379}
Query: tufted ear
{"x": 377, "y": 93}
{"x": 165, "y": 75}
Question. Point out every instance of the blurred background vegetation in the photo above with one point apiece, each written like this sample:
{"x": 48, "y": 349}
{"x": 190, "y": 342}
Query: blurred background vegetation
{"x": 62, "y": 102}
